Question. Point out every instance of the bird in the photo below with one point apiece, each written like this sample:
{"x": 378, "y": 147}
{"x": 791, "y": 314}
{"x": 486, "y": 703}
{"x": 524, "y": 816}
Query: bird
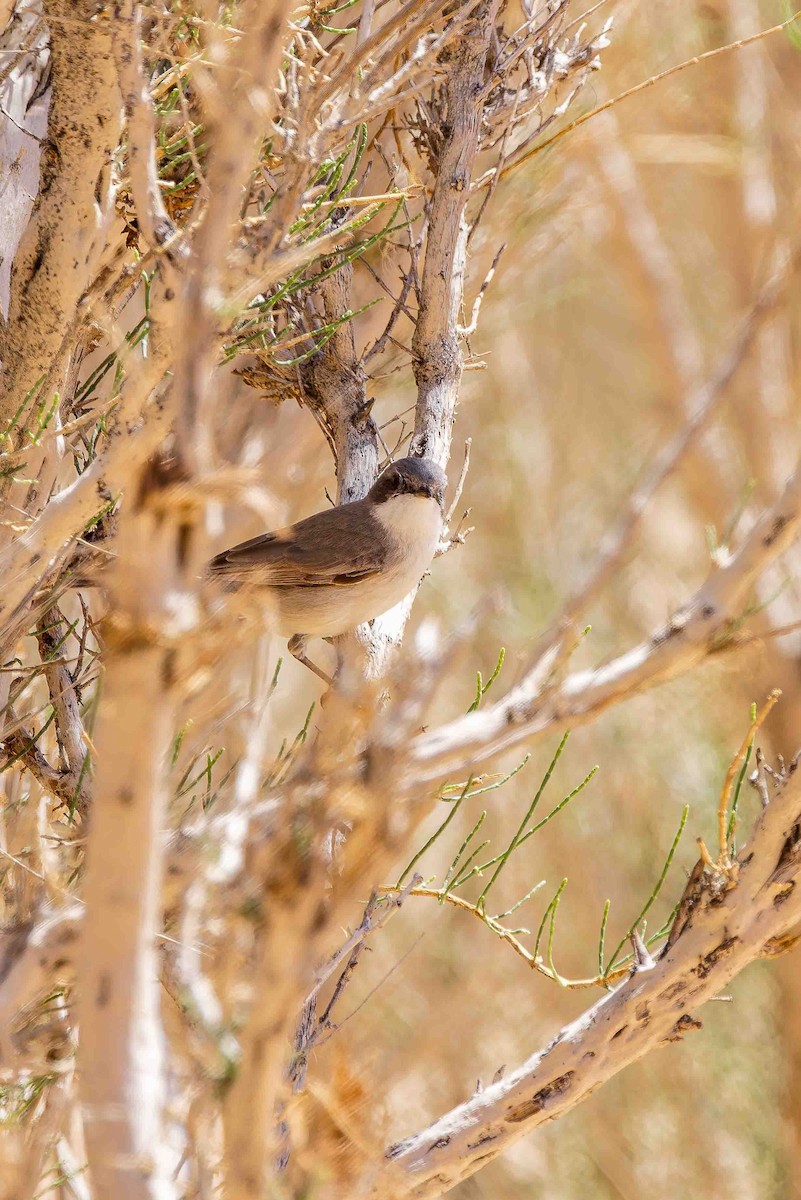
{"x": 345, "y": 565}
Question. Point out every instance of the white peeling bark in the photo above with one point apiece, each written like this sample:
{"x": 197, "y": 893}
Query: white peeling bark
{"x": 437, "y": 353}
{"x": 24, "y": 101}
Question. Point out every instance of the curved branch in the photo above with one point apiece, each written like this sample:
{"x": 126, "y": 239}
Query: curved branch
{"x": 729, "y": 926}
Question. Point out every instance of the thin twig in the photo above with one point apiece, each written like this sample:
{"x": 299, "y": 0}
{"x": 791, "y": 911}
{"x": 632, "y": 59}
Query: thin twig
{"x": 639, "y": 87}
{"x": 725, "y": 795}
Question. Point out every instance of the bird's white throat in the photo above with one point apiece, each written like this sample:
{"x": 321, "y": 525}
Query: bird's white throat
{"x": 414, "y": 522}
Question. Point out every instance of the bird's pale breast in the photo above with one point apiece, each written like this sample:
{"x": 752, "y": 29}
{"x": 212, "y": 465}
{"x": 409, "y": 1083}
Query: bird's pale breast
{"x": 414, "y": 524}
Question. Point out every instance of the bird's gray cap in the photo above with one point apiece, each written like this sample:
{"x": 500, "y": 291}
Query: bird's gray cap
{"x": 410, "y": 476}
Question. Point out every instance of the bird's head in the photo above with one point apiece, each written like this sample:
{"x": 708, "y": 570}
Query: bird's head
{"x": 410, "y": 477}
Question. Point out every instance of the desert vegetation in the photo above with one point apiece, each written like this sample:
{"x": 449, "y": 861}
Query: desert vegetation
{"x": 510, "y": 908}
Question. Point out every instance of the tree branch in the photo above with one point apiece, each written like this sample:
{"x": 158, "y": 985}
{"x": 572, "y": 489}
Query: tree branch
{"x": 66, "y": 233}
{"x": 437, "y": 354}
{"x": 335, "y": 389}
{"x": 151, "y": 212}
{"x": 702, "y": 626}
{"x": 121, "y": 1054}
{"x": 729, "y": 927}
{"x": 69, "y": 727}
{"x": 238, "y": 105}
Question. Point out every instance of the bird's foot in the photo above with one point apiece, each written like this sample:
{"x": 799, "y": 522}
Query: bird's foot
{"x": 297, "y": 646}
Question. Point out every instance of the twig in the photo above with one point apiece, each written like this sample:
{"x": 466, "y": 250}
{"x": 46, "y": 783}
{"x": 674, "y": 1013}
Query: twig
{"x": 151, "y": 213}
{"x": 724, "y": 861}
{"x": 373, "y": 920}
{"x": 457, "y": 495}
{"x": 438, "y": 359}
{"x": 639, "y": 87}
{"x": 69, "y": 726}
{"x": 467, "y": 330}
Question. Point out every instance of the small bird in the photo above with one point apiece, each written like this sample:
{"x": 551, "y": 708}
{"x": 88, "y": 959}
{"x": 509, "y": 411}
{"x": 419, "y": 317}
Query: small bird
{"x": 345, "y": 565}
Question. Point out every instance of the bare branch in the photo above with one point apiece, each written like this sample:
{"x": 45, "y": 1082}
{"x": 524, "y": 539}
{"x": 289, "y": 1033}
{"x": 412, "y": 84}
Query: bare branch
{"x": 646, "y": 83}
{"x": 34, "y": 553}
{"x": 437, "y": 355}
{"x": 373, "y": 920}
{"x": 151, "y": 212}
{"x": 335, "y": 389}
{"x": 69, "y": 727}
{"x": 238, "y": 103}
{"x": 702, "y": 627}
{"x": 64, "y": 238}
{"x": 728, "y": 929}
{"x": 121, "y": 1053}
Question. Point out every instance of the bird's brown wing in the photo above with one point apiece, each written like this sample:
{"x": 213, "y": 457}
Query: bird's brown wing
{"x": 332, "y": 548}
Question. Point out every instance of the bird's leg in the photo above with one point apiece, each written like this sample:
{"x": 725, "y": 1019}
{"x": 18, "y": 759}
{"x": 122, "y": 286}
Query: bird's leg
{"x": 297, "y": 646}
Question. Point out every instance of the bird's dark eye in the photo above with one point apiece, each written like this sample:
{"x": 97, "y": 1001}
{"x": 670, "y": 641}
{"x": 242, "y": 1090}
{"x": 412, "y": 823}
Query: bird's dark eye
{"x": 392, "y": 483}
